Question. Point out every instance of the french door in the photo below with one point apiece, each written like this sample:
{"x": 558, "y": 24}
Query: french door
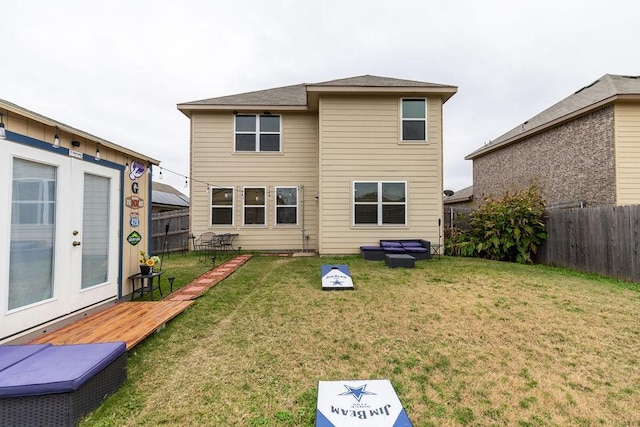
{"x": 60, "y": 235}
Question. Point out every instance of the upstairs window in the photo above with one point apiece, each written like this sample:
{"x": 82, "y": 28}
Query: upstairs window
{"x": 414, "y": 120}
{"x": 257, "y": 132}
{"x": 380, "y": 203}
{"x": 222, "y": 206}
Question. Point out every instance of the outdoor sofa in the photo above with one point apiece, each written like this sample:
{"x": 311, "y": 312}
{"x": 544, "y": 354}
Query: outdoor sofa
{"x": 419, "y": 249}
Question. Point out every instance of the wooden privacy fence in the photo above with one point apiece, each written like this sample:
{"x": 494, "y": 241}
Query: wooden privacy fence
{"x": 177, "y": 233}
{"x": 602, "y": 240}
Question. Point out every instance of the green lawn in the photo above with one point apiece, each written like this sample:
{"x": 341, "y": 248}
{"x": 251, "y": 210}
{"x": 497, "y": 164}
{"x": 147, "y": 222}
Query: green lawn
{"x": 464, "y": 342}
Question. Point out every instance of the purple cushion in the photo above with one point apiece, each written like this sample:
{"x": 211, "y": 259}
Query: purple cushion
{"x": 395, "y": 250}
{"x": 12, "y": 354}
{"x": 370, "y": 248}
{"x": 416, "y": 249}
{"x": 411, "y": 244}
{"x": 387, "y": 243}
{"x": 58, "y": 369}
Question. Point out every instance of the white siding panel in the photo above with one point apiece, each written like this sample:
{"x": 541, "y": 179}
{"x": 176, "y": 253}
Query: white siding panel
{"x": 215, "y": 163}
{"x": 360, "y": 141}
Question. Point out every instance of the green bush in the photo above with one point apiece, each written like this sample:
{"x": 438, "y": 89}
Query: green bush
{"x": 507, "y": 229}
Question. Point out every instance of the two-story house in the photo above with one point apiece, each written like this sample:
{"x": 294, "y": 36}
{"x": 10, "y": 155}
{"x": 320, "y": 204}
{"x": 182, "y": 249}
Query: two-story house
{"x": 324, "y": 167}
{"x": 584, "y": 149}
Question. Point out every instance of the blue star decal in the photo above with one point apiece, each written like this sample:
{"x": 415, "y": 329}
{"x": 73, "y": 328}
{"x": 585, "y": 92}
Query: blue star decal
{"x": 337, "y": 283}
{"x": 356, "y": 392}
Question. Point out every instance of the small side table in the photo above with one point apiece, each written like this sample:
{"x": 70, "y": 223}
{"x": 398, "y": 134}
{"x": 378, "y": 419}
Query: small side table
{"x": 149, "y": 286}
{"x": 399, "y": 260}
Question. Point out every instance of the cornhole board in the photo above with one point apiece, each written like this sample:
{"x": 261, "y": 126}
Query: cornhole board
{"x": 370, "y": 403}
{"x": 336, "y": 277}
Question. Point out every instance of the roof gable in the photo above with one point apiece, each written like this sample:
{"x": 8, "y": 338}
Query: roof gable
{"x": 287, "y": 95}
{"x": 296, "y": 97}
{"x": 376, "y": 81}
{"x": 601, "y": 91}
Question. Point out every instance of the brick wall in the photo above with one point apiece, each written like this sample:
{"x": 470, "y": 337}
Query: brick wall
{"x": 569, "y": 163}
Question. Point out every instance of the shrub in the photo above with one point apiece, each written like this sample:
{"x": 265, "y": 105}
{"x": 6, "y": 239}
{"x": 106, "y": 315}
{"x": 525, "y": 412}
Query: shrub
{"x": 507, "y": 229}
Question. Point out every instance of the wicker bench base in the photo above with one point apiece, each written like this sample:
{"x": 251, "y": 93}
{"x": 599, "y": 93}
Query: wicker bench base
{"x": 64, "y": 409}
{"x": 399, "y": 260}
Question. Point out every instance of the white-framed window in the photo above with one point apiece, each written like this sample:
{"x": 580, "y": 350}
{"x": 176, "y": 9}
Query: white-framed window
{"x": 222, "y": 206}
{"x": 33, "y": 198}
{"x": 257, "y": 133}
{"x": 286, "y": 205}
{"x": 255, "y": 207}
{"x": 414, "y": 119}
{"x": 379, "y": 203}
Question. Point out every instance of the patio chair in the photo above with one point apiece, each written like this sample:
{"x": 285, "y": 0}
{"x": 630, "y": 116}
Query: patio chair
{"x": 227, "y": 241}
{"x": 203, "y": 243}
{"x": 216, "y": 243}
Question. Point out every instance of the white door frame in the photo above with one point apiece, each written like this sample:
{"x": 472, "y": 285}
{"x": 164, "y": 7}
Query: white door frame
{"x": 67, "y": 296}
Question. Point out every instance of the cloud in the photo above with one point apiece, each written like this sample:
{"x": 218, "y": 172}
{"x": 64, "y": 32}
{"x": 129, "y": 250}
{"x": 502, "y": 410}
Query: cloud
{"x": 117, "y": 68}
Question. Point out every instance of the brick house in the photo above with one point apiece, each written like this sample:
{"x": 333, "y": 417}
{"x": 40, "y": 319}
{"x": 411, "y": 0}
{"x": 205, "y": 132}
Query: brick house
{"x": 583, "y": 150}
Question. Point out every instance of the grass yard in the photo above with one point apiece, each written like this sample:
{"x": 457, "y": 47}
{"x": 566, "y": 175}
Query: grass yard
{"x": 464, "y": 342}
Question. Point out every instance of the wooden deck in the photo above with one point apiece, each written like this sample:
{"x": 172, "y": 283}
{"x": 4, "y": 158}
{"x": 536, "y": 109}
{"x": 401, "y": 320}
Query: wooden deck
{"x": 130, "y": 322}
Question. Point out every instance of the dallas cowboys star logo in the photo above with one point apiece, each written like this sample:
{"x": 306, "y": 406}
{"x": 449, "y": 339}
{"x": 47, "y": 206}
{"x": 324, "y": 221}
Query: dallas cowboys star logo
{"x": 356, "y": 392}
{"x": 337, "y": 283}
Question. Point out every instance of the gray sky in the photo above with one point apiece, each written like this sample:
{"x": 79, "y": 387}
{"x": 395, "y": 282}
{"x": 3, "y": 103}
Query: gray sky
{"x": 118, "y": 68}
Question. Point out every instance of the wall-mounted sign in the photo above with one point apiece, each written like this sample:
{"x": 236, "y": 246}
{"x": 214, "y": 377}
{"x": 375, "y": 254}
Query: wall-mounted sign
{"x": 137, "y": 170}
{"x": 134, "y": 219}
{"x": 134, "y": 238}
{"x": 75, "y": 154}
{"x": 134, "y": 202}
{"x": 134, "y": 188}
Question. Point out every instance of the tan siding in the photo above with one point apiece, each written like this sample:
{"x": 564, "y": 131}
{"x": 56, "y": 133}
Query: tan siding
{"x": 360, "y": 141}
{"x": 627, "y": 136}
{"x": 215, "y": 163}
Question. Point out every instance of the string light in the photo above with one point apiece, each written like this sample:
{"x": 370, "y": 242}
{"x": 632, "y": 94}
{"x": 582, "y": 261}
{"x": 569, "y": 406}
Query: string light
{"x": 56, "y": 139}
{"x": 192, "y": 180}
{"x": 3, "y": 133}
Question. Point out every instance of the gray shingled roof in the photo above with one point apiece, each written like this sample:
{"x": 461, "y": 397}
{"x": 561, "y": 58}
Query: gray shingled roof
{"x": 605, "y": 88}
{"x": 462, "y": 195}
{"x": 376, "y": 81}
{"x": 296, "y": 95}
{"x": 287, "y": 95}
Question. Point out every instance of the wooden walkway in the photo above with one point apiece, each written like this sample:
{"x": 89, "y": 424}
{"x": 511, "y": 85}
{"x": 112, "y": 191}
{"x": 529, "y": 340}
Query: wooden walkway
{"x": 132, "y": 322}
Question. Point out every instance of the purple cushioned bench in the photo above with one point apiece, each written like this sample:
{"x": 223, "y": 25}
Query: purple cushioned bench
{"x": 419, "y": 249}
{"x": 57, "y": 385}
{"x": 12, "y": 354}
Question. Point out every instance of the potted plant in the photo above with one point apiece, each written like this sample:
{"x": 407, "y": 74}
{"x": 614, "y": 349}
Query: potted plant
{"x": 147, "y": 262}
